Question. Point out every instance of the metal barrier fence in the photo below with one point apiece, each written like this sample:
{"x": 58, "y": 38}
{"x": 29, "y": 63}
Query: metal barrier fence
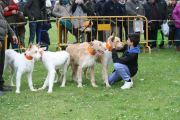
{"x": 102, "y": 23}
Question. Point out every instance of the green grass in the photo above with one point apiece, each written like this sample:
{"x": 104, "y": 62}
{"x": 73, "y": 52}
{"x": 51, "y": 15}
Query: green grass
{"x": 156, "y": 97}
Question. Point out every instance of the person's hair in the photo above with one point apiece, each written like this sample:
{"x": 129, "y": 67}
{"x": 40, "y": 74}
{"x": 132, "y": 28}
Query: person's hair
{"x": 134, "y": 37}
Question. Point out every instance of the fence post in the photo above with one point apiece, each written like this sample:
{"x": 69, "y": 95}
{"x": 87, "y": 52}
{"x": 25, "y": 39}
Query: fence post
{"x": 6, "y": 42}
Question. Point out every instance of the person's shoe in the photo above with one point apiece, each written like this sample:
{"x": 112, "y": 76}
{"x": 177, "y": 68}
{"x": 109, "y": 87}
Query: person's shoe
{"x": 154, "y": 48}
{"x": 127, "y": 84}
{"x": 2, "y": 93}
{"x": 168, "y": 46}
{"x": 5, "y": 89}
{"x": 177, "y": 49}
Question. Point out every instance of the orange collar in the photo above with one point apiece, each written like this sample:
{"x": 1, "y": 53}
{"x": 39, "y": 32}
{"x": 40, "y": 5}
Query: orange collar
{"x": 28, "y": 57}
{"x": 108, "y": 47}
{"x": 41, "y": 52}
{"x": 91, "y": 51}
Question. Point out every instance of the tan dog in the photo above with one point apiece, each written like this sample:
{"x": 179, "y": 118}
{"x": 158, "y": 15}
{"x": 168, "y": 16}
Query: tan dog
{"x": 84, "y": 56}
{"x": 106, "y": 58}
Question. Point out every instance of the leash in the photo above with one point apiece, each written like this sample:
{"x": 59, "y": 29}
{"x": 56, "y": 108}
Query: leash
{"x": 21, "y": 46}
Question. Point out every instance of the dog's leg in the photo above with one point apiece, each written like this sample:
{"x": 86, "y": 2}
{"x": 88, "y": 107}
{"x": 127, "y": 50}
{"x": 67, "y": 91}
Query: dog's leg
{"x": 92, "y": 76}
{"x": 79, "y": 76}
{"x": 74, "y": 76}
{"x": 29, "y": 77}
{"x": 11, "y": 76}
{"x": 64, "y": 76}
{"x": 58, "y": 76}
{"x": 18, "y": 81}
{"x": 51, "y": 80}
{"x": 85, "y": 73}
{"x": 46, "y": 83}
{"x": 104, "y": 70}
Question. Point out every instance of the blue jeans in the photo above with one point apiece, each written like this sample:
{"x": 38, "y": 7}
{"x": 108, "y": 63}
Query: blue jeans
{"x": 121, "y": 72}
{"x": 35, "y": 27}
{"x": 177, "y": 37}
{"x": 10, "y": 40}
{"x": 131, "y": 30}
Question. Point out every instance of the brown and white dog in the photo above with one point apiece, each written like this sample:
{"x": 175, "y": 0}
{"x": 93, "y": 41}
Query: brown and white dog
{"x": 106, "y": 58}
{"x": 84, "y": 56}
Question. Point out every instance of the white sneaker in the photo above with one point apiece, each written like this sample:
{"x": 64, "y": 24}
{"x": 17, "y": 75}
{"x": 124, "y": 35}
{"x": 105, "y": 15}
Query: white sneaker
{"x": 127, "y": 85}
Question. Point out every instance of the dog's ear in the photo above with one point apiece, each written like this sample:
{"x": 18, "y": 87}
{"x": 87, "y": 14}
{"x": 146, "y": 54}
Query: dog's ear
{"x": 30, "y": 45}
{"x": 43, "y": 48}
{"x": 38, "y": 45}
{"x": 91, "y": 43}
{"x": 112, "y": 38}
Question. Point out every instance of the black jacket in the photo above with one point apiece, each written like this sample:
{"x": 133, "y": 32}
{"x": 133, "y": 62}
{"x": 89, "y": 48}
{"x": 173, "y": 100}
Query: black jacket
{"x": 129, "y": 59}
{"x": 99, "y": 7}
{"x": 82, "y": 6}
{"x": 149, "y": 14}
{"x": 163, "y": 8}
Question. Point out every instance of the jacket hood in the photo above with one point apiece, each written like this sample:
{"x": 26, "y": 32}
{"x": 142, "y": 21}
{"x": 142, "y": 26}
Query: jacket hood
{"x": 134, "y": 50}
{"x": 45, "y": 27}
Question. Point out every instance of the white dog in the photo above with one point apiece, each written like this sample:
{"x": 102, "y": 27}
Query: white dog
{"x": 23, "y": 63}
{"x": 53, "y": 62}
{"x": 106, "y": 58}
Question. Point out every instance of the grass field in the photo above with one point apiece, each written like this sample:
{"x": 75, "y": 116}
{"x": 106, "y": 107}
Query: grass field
{"x": 155, "y": 95}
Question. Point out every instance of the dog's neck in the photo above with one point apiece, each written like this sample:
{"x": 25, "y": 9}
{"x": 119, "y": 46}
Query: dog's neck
{"x": 91, "y": 51}
{"x": 108, "y": 46}
{"x": 28, "y": 57}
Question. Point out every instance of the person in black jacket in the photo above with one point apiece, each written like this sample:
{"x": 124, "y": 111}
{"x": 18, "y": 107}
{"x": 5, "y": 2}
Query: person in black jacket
{"x": 126, "y": 66}
{"x": 44, "y": 39}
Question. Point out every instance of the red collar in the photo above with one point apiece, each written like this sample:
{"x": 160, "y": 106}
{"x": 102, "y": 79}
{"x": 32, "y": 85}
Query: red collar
{"x": 108, "y": 47}
{"x": 28, "y": 57}
{"x": 91, "y": 51}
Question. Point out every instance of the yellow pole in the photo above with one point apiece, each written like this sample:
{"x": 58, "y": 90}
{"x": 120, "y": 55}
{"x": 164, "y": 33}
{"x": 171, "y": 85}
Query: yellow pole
{"x": 6, "y": 42}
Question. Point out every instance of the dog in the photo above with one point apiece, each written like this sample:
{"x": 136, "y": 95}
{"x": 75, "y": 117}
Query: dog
{"x": 106, "y": 58}
{"x": 23, "y": 63}
{"x": 83, "y": 56}
{"x": 53, "y": 62}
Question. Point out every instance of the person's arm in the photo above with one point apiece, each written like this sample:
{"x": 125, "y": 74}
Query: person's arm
{"x": 97, "y": 9}
{"x": 22, "y": 19}
{"x": 175, "y": 13}
{"x": 74, "y": 6}
{"x": 104, "y": 10}
{"x": 84, "y": 8}
{"x": 10, "y": 9}
{"x": 27, "y": 10}
{"x": 129, "y": 10}
{"x": 56, "y": 11}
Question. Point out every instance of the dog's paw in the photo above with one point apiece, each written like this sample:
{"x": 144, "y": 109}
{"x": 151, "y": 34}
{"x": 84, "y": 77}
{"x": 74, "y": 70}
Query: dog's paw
{"x": 108, "y": 86}
{"x": 95, "y": 85}
{"x": 55, "y": 81}
{"x": 33, "y": 89}
{"x": 12, "y": 85}
{"x": 79, "y": 86}
{"x": 41, "y": 88}
{"x": 62, "y": 86}
{"x": 49, "y": 91}
{"x": 17, "y": 91}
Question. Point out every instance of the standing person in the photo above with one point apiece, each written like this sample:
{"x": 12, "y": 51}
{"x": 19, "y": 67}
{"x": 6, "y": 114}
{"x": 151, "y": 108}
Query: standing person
{"x": 164, "y": 13}
{"x": 78, "y": 10}
{"x": 35, "y": 10}
{"x": 153, "y": 13}
{"x": 172, "y": 29}
{"x": 126, "y": 66}
{"x": 112, "y": 8}
{"x": 98, "y": 10}
{"x": 176, "y": 17}
{"x": 134, "y": 8}
{"x": 124, "y": 13}
{"x": 62, "y": 9}
{"x": 10, "y": 11}
{"x": 21, "y": 27}
{"x": 5, "y": 29}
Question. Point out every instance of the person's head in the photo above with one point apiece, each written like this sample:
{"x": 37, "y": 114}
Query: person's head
{"x": 151, "y": 1}
{"x": 122, "y": 1}
{"x": 173, "y": 2}
{"x": 133, "y": 39}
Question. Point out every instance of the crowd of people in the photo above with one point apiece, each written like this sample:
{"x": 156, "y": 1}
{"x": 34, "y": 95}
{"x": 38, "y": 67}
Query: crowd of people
{"x": 12, "y": 22}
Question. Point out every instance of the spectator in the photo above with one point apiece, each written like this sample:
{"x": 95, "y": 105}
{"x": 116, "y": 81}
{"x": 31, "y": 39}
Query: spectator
{"x": 49, "y": 12}
{"x": 176, "y": 17}
{"x": 10, "y": 10}
{"x": 153, "y": 13}
{"x": 98, "y": 10}
{"x": 90, "y": 5}
{"x": 35, "y": 10}
{"x": 172, "y": 29}
{"x": 112, "y": 8}
{"x": 62, "y": 9}
{"x": 164, "y": 13}
{"x": 134, "y": 8}
{"x": 21, "y": 27}
{"x": 122, "y": 4}
{"x": 78, "y": 10}
{"x": 5, "y": 29}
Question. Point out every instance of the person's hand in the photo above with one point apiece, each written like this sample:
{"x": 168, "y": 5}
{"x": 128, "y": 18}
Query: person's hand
{"x": 112, "y": 44}
{"x": 138, "y": 16}
{"x": 33, "y": 18}
{"x": 80, "y": 1}
{"x": 149, "y": 21}
{"x": 76, "y": 1}
{"x": 164, "y": 21}
{"x": 14, "y": 12}
{"x": 15, "y": 39}
{"x": 0, "y": 45}
{"x": 6, "y": 9}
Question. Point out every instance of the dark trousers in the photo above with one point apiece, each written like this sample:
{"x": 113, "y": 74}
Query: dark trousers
{"x": 124, "y": 30}
{"x": 2, "y": 56}
{"x": 172, "y": 34}
{"x": 10, "y": 41}
{"x": 153, "y": 35}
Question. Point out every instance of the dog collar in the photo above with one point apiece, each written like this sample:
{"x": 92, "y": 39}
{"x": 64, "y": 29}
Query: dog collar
{"x": 41, "y": 52}
{"x": 28, "y": 57}
{"x": 91, "y": 51}
{"x": 108, "y": 47}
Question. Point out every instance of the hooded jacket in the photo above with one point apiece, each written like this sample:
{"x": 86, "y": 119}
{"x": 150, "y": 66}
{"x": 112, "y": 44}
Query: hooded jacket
{"x": 129, "y": 58}
{"x": 4, "y": 27}
{"x": 176, "y": 15}
{"x": 170, "y": 12}
{"x": 163, "y": 8}
{"x": 99, "y": 7}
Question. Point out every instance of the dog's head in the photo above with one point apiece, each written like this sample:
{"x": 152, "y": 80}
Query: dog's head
{"x": 97, "y": 46}
{"x": 33, "y": 51}
{"x": 118, "y": 44}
